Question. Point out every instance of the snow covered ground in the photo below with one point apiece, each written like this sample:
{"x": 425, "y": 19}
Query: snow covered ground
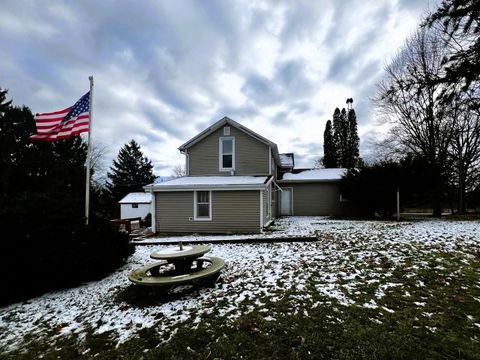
{"x": 348, "y": 256}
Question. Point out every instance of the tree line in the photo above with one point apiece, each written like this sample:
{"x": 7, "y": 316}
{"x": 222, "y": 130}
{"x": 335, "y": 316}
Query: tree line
{"x": 429, "y": 97}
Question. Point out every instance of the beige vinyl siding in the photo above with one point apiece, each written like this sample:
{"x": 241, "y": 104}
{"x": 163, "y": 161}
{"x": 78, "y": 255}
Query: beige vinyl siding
{"x": 251, "y": 155}
{"x": 275, "y": 194}
{"x": 232, "y": 212}
{"x": 311, "y": 199}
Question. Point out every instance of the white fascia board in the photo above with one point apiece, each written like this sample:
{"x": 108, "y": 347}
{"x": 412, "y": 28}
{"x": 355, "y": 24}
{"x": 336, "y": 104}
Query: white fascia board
{"x": 209, "y": 188}
{"x": 306, "y": 181}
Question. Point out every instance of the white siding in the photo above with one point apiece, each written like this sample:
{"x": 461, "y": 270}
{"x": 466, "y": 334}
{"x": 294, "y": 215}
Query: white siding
{"x": 128, "y": 212}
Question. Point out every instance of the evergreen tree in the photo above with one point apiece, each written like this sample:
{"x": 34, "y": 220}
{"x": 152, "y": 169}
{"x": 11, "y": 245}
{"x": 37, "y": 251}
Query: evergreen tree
{"x": 4, "y": 105}
{"x": 459, "y": 21}
{"x": 329, "y": 149}
{"x": 352, "y": 141}
{"x": 42, "y": 198}
{"x": 38, "y": 167}
{"x": 130, "y": 172}
{"x": 341, "y": 141}
{"x": 343, "y": 145}
{"x": 337, "y": 136}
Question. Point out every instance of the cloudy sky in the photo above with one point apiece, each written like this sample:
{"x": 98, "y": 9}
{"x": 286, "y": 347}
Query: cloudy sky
{"x": 165, "y": 70}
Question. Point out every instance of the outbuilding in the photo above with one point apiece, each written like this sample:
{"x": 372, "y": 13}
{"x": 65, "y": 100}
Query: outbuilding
{"x": 135, "y": 205}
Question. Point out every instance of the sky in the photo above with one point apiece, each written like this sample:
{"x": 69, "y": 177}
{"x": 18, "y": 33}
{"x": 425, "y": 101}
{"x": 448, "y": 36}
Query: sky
{"x": 166, "y": 70}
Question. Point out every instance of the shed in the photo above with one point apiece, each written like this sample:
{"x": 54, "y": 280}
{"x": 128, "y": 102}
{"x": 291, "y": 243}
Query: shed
{"x": 135, "y": 205}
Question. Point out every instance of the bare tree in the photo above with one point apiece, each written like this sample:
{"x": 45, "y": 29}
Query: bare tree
{"x": 98, "y": 164}
{"x": 179, "y": 171}
{"x": 465, "y": 149}
{"x": 408, "y": 98}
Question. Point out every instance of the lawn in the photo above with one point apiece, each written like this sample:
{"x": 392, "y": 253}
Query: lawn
{"x": 365, "y": 289}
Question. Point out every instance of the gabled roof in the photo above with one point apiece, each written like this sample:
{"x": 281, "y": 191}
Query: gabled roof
{"x": 137, "y": 198}
{"x": 227, "y": 121}
{"x": 188, "y": 183}
{"x": 315, "y": 175}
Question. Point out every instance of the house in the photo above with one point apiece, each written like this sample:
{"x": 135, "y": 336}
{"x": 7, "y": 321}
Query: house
{"x": 237, "y": 181}
{"x": 135, "y": 205}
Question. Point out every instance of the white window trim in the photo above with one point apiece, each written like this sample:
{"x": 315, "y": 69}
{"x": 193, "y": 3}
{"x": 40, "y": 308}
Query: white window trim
{"x": 195, "y": 207}
{"x": 220, "y": 153}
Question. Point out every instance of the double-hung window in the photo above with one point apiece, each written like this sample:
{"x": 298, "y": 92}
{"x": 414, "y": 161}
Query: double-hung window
{"x": 202, "y": 205}
{"x": 227, "y": 153}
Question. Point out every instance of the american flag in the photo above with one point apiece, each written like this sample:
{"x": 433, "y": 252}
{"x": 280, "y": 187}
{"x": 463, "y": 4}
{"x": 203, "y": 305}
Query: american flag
{"x": 63, "y": 123}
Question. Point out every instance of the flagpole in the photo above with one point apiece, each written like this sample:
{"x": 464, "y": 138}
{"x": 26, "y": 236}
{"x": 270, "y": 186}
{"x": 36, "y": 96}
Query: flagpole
{"x": 89, "y": 153}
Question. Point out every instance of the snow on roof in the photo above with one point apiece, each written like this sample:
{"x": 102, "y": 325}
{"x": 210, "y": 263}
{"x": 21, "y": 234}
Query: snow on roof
{"x": 316, "y": 175}
{"x": 137, "y": 197}
{"x": 213, "y": 182}
{"x": 286, "y": 160}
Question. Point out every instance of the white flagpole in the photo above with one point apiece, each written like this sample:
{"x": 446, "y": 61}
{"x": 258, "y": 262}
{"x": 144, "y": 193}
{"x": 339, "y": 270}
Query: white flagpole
{"x": 89, "y": 153}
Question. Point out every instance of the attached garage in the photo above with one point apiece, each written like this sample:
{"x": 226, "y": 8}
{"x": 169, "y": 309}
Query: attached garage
{"x": 313, "y": 193}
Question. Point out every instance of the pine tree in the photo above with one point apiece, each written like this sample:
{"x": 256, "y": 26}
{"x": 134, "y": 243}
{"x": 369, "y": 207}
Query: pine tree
{"x": 4, "y": 105}
{"x": 329, "y": 149}
{"x": 130, "y": 172}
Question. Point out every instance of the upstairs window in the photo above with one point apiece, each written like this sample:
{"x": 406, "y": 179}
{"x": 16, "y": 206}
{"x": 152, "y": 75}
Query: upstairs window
{"x": 227, "y": 153}
{"x": 202, "y": 205}
{"x": 135, "y": 206}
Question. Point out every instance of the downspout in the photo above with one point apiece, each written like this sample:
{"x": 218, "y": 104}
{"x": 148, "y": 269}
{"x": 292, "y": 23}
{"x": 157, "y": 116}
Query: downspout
{"x": 187, "y": 161}
{"x": 152, "y": 209}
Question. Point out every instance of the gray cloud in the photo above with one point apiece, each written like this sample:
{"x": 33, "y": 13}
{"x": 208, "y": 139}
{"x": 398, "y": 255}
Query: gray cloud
{"x": 166, "y": 70}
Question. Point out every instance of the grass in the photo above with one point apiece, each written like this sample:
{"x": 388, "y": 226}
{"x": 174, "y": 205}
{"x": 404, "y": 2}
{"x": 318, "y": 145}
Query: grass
{"x": 393, "y": 301}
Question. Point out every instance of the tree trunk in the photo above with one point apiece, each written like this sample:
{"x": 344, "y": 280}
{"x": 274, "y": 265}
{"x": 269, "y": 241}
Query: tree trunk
{"x": 461, "y": 188}
{"x": 437, "y": 207}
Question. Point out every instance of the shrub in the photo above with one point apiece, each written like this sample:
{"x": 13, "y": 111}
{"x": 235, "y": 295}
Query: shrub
{"x": 52, "y": 250}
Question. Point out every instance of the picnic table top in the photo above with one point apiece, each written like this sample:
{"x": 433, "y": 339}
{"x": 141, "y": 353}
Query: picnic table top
{"x": 174, "y": 253}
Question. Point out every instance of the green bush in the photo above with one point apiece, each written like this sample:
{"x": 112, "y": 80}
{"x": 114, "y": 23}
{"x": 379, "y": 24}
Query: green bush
{"x": 44, "y": 251}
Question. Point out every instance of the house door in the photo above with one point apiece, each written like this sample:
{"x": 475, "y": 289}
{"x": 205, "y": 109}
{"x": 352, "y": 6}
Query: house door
{"x": 286, "y": 202}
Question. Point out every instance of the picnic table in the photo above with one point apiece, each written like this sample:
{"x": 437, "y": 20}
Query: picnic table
{"x": 182, "y": 257}
{"x": 179, "y": 265}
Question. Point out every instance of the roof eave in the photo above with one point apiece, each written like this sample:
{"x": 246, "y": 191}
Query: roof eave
{"x": 307, "y": 180}
{"x": 219, "y": 124}
{"x": 208, "y": 187}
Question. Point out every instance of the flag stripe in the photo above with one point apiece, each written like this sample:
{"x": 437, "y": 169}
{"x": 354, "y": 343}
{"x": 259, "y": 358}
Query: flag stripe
{"x": 60, "y": 115}
{"x": 53, "y": 124}
{"x": 55, "y": 112}
{"x": 64, "y": 123}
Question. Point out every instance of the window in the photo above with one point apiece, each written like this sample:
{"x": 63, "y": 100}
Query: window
{"x": 226, "y": 130}
{"x": 227, "y": 154}
{"x": 135, "y": 206}
{"x": 202, "y": 205}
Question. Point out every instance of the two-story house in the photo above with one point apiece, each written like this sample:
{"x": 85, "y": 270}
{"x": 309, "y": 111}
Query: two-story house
{"x": 237, "y": 181}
